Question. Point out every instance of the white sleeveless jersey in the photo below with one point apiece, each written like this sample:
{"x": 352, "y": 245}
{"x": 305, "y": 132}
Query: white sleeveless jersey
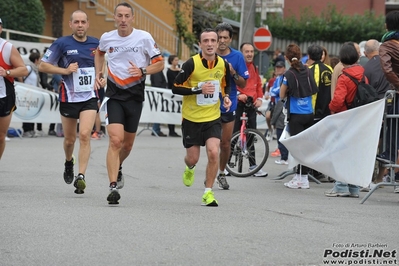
{"x": 139, "y": 48}
{"x": 5, "y": 53}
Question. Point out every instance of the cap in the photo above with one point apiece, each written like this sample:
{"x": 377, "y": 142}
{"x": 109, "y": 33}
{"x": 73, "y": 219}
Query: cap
{"x": 280, "y": 64}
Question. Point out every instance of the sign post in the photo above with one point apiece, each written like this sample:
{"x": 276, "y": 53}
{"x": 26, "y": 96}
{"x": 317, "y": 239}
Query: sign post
{"x": 262, "y": 41}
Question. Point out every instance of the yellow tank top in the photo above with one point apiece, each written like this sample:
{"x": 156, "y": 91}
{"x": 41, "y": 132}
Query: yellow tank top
{"x": 204, "y": 108}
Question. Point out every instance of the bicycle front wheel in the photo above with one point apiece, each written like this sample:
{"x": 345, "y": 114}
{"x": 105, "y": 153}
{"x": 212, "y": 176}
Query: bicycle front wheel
{"x": 247, "y": 158}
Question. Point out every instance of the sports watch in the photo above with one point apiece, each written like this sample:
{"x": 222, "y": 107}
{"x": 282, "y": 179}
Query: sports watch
{"x": 236, "y": 76}
{"x": 143, "y": 71}
{"x": 8, "y": 72}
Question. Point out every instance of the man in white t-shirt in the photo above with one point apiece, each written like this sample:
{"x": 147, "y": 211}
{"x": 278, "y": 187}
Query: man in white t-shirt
{"x": 132, "y": 54}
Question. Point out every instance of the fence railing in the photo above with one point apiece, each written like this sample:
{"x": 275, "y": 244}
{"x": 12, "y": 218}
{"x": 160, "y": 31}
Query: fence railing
{"x": 8, "y": 32}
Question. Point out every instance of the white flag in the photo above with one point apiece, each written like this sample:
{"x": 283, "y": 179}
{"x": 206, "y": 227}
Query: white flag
{"x": 342, "y": 146}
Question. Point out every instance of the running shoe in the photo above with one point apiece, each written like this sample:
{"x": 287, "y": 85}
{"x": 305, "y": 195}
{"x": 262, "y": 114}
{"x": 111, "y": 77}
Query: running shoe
{"x": 333, "y": 193}
{"x": 276, "y": 153}
{"x": 80, "y": 184}
{"x": 297, "y": 184}
{"x": 188, "y": 176}
{"x": 113, "y": 196}
{"x": 281, "y": 162}
{"x": 68, "y": 172}
{"x": 120, "y": 179}
{"x": 260, "y": 173}
{"x": 39, "y": 133}
{"x": 208, "y": 199}
{"x": 95, "y": 136}
{"x": 222, "y": 182}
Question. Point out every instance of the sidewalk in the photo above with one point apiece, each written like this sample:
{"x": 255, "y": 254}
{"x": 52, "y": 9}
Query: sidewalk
{"x": 159, "y": 221}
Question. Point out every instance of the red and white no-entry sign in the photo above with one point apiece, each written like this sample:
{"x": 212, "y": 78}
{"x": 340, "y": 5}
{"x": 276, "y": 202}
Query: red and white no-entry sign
{"x": 262, "y": 39}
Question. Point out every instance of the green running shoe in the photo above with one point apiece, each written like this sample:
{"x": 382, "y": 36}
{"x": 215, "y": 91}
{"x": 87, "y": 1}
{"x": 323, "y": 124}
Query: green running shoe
{"x": 209, "y": 200}
{"x": 188, "y": 176}
{"x": 80, "y": 184}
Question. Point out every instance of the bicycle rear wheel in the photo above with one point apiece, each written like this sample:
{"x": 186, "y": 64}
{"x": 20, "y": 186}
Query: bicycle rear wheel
{"x": 255, "y": 152}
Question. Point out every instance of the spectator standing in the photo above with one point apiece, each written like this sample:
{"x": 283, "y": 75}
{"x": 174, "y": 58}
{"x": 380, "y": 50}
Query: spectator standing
{"x": 322, "y": 73}
{"x": 374, "y": 73}
{"x": 269, "y": 111}
{"x": 11, "y": 67}
{"x": 203, "y": 77}
{"x": 158, "y": 80}
{"x": 72, "y": 57}
{"x": 373, "y": 70}
{"x": 33, "y": 78}
{"x": 253, "y": 89}
{"x": 171, "y": 74}
{"x": 138, "y": 55}
{"x": 47, "y": 86}
{"x": 343, "y": 96}
{"x": 238, "y": 77}
{"x": 278, "y": 117}
{"x": 270, "y": 107}
{"x": 55, "y": 83}
{"x": 98, "y": 134}
{"x": 337, "y": 71}
{"x": 389, "y": 57}
{"x": 298, "y": 86}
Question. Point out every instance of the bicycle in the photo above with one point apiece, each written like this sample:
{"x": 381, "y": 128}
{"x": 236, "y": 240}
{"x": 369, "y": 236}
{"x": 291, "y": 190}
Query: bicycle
{"x": 249, "y": 148}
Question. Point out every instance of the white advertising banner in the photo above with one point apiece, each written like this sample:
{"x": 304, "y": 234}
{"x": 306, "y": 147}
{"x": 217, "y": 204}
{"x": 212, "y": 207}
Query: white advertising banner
{"x": 37, "y": 105}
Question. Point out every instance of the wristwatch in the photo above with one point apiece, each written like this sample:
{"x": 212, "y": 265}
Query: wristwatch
{"x": 8, "y": 72}
{"x": 236, "y": 76}
{"x": 143, "y": 71}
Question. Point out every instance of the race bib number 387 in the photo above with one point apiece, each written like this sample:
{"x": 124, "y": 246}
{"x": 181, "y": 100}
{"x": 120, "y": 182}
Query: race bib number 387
{"x": 83, "y": 79}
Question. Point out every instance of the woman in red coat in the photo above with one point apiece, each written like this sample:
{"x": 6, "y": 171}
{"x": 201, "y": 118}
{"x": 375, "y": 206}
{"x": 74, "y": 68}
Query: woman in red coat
{"x": 346, "y": 89}
{"x": 343, "y": 96}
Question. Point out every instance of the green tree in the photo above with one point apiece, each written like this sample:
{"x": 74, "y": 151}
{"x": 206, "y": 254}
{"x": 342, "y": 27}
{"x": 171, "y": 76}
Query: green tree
{"x": 23, "y": 15}
{"x": 181, "y": 24}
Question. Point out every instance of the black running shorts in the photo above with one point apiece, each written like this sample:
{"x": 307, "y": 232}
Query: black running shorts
{"x": 7, "y": 105}
{"x": 228, "y": 117}
{"x": 198, "y": 133}
{"x": 127, "y": 113}
{"x": 72, "y": 110}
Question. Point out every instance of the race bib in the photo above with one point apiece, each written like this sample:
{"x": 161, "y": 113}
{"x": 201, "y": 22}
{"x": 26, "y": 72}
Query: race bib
{"x": 83, "y": 79}
{"x": 209, "y": 99}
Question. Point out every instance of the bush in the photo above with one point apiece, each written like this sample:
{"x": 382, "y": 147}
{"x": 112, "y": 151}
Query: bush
{"x": 23, "y": 15}
{"x": 330, "y": 26}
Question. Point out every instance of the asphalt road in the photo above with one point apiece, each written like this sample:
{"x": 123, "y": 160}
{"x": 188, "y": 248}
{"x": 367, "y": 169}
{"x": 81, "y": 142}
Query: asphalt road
{"x": 159, "y": 221}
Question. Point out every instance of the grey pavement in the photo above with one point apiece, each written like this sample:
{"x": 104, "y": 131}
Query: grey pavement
{"x": 159, "y": 221}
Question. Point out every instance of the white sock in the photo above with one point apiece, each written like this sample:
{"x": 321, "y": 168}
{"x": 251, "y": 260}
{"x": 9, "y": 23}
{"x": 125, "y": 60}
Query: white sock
{"x": 207, "y": 189}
